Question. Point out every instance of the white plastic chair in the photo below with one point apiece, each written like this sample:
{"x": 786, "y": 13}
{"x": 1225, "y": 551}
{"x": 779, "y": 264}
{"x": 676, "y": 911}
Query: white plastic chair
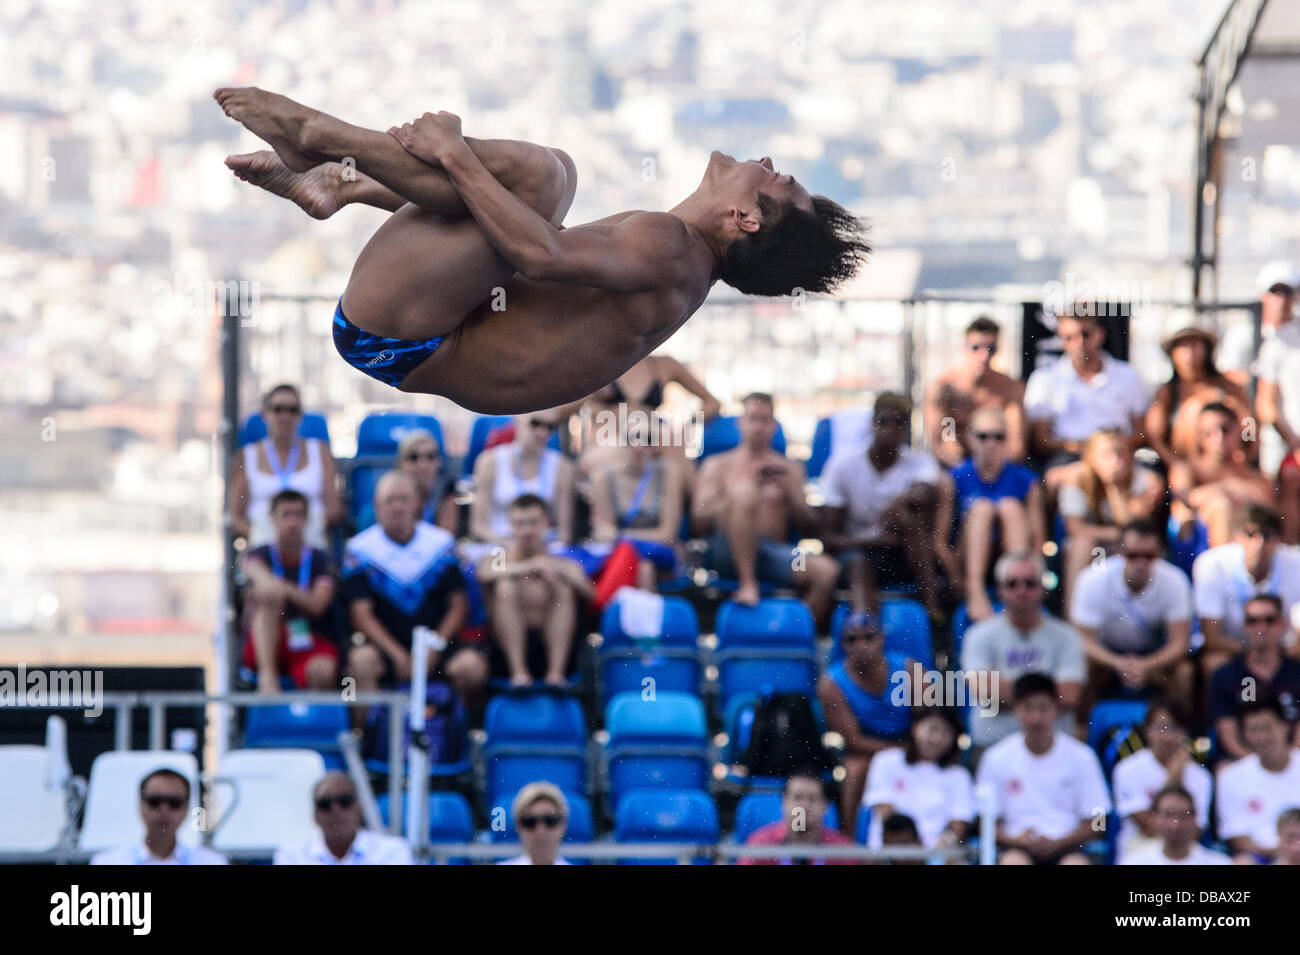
{"x": 33, "y": 805}
{"x": 113, "y": 799}
{"x": 271, "y": 803}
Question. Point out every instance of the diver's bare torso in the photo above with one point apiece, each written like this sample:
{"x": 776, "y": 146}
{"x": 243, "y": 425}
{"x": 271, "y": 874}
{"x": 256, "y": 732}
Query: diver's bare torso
{"x": 545, "y": 343}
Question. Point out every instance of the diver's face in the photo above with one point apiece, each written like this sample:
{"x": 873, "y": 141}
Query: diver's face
{"x": 741, "y": 181}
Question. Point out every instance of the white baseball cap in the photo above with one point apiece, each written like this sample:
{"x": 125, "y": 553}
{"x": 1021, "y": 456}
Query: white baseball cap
{"x": 1278, "y": 272}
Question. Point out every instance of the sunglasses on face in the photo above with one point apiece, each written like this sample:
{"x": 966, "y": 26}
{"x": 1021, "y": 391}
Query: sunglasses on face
{"x": 863, "y": 635}
{"x": 542, "y": 423}
{"x": 421, "y": 456}
{"x": 998, "y": 436}
{"x": 1262, "y": 620}
{"x": 891, "y": 422}
{"x": 153, "y": 801}
{"x": 974, "y": 346}
{"x": 551, "y": 820}
{"x": 1141, "y": 555}
{"x": 285, "y": 409}
{"x": 342, "y": 800}
{"x": 1028, "y": 583}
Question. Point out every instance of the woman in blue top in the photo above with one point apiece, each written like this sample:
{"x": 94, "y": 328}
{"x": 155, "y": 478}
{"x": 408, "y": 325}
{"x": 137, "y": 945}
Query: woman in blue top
{"x": 866, "y": 698}
{"x": 998, "y": 504}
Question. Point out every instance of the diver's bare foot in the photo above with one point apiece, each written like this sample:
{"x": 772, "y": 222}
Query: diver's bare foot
{"x": 275, "y": 118}
{"x": 318, "y": 192}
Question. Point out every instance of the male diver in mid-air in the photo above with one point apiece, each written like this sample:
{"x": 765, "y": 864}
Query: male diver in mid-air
{"x": 475, "y": 290}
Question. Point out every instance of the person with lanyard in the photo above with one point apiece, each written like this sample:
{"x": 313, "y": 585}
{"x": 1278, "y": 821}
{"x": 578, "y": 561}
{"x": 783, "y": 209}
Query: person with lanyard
{"x": 1225, "y": 577}
{"x": 1134, "y": 612}
{"x": 419, "y": 454}
{"x": 283, "y": 460}
{"x": 524, "y": 466}
{"x": 291, "y": 588}
{"x": 865, "y": 699}
{"x": 651, "y": 519}
{"x": 164, "y": 809}
{"x": 803, "y": 812}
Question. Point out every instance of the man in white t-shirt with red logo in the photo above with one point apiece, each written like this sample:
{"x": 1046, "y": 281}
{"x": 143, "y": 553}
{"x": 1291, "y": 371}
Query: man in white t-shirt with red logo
{"x": 1049, "y": 788}
{"x": 1176, "y": 826}
{"x": 1256, "y": 789}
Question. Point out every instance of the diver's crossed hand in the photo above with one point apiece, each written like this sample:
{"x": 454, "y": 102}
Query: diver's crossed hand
{"x": 429, "y": 137}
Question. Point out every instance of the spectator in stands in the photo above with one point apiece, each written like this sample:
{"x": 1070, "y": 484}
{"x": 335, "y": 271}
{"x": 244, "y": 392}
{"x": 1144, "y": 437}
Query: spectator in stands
{"x": 1261, "y": 670}
{"x": 1277, "y": 284}
{"x": 899, "y": 830}
{"x": 863, "y": 703}
{"x": 751, "y": 499}
{"x": 1023, "y": 638}
{"x": 1082, "y": 392}
{"x": 966, "y": 387}
{"x": 1224, "y": 577}
{"x": 1288, "y": 838}
{"x": 399, "y": 574}
{"x": 1134, "y": 613}
{"x": 1049, "y": 788}
{"x": 998, "y": 506}
{"x": 533, "y": 597}
{"x": 636, "y": 496}
{"x": 1218, "y": 481}
{"x": 419, "y": 454}
{"x": 1098, "y": 495}
{"x": 283, "y": 460}
{"x": 1175, "y": 819}
{"x": 1279, "y": 406}
{"x": 1254, "y": 790}
{"x": 803, "y": 811}
{"x": 524, "y": 466}
{"x": 883, "y": 503}
{"x": 541, "y": 815}
{"x": 1166, "y": 760}
{"x": 1171, "y": 421}
{"x": 164, "y": 808}
{"x": 288, "y": 604}
{"x": 923, "y": 782}
{"x": 341, "y": 839}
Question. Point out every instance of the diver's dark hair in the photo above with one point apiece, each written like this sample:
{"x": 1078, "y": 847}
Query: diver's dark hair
{"x": 796, "y": 249}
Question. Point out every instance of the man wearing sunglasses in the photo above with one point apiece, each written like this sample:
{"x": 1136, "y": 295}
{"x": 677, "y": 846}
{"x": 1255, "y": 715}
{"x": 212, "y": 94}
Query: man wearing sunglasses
{"x": 1262, "y": 669}
{"x": 164, "y": 808}
{"x": 1224, "y": 577}
{"x": 967, "y": 386}
{"x": 1134, "y": 611}
{"x": 541, "y": 815}
{"x": 342, "y": 840}
{"x": 1082, "y": 392}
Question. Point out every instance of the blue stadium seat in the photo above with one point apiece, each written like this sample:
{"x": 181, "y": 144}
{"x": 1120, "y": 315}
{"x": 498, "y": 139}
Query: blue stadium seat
{"x": 766, "y": 647}
{"x": 450, "y": 819}
{"x": 723, "y": 434}
{"x": 659, "y": 815}
{"x": 1108, "y": 725}
{"x": 581, "y": 828}
{"x": 823, "y": 443}
{"x": 313, "y": 426}
{"x": 863, "y": 827}
{"x": 660, "y": 743}
{"x": 531, "y": 737}
{"x": 1183, "y": 553}
{"x": 758, "y": 809}
{"x": 298, "y": 726}
{"x": 671, "y": 660}
{"x": 907, "y": 630}
{"x": 738, "y": 724}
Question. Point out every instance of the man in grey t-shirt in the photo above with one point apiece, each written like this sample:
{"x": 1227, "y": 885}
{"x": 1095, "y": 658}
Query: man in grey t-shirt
{"x": 1024, "y": 638}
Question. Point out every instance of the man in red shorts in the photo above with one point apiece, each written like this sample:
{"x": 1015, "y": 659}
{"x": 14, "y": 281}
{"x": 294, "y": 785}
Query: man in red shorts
{"x": 286, "y": 605}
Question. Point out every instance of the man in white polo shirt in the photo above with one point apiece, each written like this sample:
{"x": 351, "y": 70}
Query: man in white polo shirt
{"x": 164, "y": 806}
{"x": 1225, "y": 577}
{"x": 341, "y": 840}
{"x": 1082, "y": 392}
{"x": 1134, "y": 613}
{"x": 1256, "y": 789}
{"x": 1049, "y": 788}
{"x": 1177, "y": 829}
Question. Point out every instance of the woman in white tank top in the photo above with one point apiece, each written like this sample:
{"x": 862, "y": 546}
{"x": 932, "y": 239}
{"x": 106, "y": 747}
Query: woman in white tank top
{"x": 282, "y": 461}
{"x": 525, "y": 466}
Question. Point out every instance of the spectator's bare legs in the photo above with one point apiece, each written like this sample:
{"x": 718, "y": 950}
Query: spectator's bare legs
{"x": 267, "y": 620}
{"x": 864, "y": 593}
{"x": 321, "y": 672}
{"x": 740, "y": 524}
{"x": 467, "y": 671}
{"x": 509, "y": 627}
{"x": 366, "y": 666}
{"x": 1288, "y": 503}
{"x": 559, "y": 606}
{"x": 851, "y": 790}
{"x": 817, "y": 580}
{"x": 910, "y": 524}
{"x": 977, "y": 546}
